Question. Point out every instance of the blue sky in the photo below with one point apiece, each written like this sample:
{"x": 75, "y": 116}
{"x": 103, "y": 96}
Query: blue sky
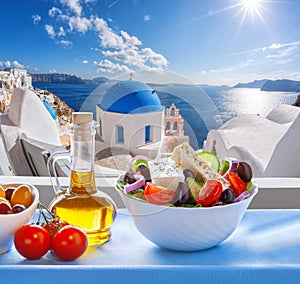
{"x": 206, "y": 41}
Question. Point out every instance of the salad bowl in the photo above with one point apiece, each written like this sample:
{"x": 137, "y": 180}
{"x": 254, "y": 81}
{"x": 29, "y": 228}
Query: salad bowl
{"x": 185, "y": 229}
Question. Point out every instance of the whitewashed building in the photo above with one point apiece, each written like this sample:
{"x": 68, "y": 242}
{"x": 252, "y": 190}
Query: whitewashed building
{"x": 131, "y": 117}
{"x": 10, "y": 80}
{"x": 15, "y": 78}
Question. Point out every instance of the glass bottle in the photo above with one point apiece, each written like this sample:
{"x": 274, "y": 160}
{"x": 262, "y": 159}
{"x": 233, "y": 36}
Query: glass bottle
{"x": 82, "y": 204}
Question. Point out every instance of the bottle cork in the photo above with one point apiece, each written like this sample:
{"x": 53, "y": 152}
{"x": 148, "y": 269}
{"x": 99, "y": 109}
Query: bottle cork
{"x": 82, "y": 117}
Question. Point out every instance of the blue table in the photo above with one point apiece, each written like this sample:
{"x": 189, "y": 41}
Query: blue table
{"x": 265, "y": 248}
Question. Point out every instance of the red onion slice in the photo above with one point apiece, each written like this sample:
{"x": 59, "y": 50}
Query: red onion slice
{"x": 136, "y": 185}
{"x": 242, "y": 196}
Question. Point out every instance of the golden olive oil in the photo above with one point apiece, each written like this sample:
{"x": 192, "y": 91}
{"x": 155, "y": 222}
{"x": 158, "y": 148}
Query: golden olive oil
{"x": 86, "y": 207}
{"x": 82, "y": 204}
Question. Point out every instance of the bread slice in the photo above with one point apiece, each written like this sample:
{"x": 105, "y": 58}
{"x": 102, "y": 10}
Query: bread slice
{"x": 185, "y": 157}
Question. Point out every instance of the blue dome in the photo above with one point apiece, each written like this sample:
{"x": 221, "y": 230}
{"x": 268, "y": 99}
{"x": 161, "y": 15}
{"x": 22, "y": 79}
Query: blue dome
{"x": 130, "y": 97}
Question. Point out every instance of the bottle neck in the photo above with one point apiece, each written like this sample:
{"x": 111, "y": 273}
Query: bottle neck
{"x": 82, "y": 159}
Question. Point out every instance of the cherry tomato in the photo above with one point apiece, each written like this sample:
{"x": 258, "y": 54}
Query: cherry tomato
{"x": 158, "y": 195}
{"x": 236, "y": 183}
{"x": 210, "y": 193}
{"x": 54, "y": 226}
{"x": 32, "y": 241}
{"x": 69, "y": 243}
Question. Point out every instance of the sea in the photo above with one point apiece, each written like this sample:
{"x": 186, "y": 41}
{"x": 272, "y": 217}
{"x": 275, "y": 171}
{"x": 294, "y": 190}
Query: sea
{"x": 203, "y": 107}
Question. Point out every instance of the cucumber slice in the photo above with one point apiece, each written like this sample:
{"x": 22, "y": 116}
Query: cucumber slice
{"x": 211, "y": 159}
{"x": 249, "y": 186}
{"x": 138, "y": 160}
{"x": 225, "y": 165}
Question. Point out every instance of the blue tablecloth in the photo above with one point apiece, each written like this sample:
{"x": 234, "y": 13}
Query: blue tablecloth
{"x": 265, "y": 248}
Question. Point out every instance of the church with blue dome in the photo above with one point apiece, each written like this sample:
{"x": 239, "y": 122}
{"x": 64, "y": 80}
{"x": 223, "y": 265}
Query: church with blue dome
{"x": 130, "y": 116}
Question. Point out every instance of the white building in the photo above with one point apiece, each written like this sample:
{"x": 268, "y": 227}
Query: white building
{"x": 131, "y": 117}
{"x": 15, "y": 78}
{"x": 9, "y": 80}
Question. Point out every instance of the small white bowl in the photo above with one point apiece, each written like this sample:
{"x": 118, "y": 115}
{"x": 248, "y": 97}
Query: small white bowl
{"x": 9, "y": 223}
{"x": 186, "y": 229}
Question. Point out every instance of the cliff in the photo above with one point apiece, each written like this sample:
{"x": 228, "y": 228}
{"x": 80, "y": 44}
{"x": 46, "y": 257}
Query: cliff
{"x": 63, "y": 78}
{"x": 62, "y": 110}
{"x": 255, "y": 84}
{"x": 283, "y": 85}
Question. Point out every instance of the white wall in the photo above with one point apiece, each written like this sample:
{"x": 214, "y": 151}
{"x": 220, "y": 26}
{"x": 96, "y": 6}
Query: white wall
{"x": 134, "y": 128}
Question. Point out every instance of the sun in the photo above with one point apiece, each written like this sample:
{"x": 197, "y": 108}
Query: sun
{"x": 251, "y": 8}
{"x": 251, "y": 5}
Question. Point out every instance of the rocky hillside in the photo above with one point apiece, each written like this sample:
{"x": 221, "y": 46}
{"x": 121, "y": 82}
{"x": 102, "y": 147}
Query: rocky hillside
{"x": 282, "y": 85}
{"x": 63, "y": 78}
{"x": 254, "y": 84}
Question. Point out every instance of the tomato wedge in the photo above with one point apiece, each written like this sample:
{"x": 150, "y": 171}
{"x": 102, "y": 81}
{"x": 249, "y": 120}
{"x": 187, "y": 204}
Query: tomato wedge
{"x": 210, "y": 193}
{"x": 158, "y": 195}
{"x": 236, "y": 183}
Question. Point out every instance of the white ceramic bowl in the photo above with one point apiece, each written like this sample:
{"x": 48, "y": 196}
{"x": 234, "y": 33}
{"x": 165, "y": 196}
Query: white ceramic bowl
{"x": 186, "y": 229}
{"x": 9, "y": 223}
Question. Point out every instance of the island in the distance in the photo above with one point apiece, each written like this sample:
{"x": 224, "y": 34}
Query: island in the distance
{"x": 63, "y": 78}
{"x": 282, "y": 85}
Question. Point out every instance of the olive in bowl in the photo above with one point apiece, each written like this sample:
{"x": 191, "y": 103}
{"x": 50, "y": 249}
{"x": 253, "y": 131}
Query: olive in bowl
{"x": 10, "y": 219}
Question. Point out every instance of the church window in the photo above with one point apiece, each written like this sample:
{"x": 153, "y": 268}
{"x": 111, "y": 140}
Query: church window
{"x": 120, "y": 134}
{"x": 148, "y": 134}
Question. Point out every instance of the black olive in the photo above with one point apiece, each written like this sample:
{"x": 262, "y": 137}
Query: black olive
{"x": 183, "y": 194}
{"x": 129, "y": 178}
{"x": 227, "y": 196}
{"x": 144, "y": 171}
{"x": 188, "y": 173}
{"x": 244, "y": 171}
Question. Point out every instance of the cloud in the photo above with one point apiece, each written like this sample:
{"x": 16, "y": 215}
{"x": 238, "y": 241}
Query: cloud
{"x": 109, "y": 39}
{"x": 5, "y": 64}
{"x": 50, "y": 30}
{"x": 130, "y": 40}
{"x": 285, "y": 52}
{"x": 73, "y": 5}
{"x": 239, "y": 66}
{"x": 106, "y": 66}
{"x": 147, "y": 18}
{"x": 65, "y": 43}
{"x": 120, "y": 51}
{"x": 155, "y": 58}
{"x": 36, "y": 19}
{"x": 275, "y": 46}
{"x": 54, "y": 12}
{"x": 14, "y": 64}
{"x": 272, "y": 54}
{"x": 95, "y": 49}
{"x": 79, "y": 24}
{"x": 84, "y": 62}
{"x": 130, "y": 57}
{"x": 61, "y": 32}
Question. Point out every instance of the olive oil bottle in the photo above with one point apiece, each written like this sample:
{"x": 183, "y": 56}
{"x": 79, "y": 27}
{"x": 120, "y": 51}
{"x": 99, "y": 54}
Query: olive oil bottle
{"x": 82, "y": 203}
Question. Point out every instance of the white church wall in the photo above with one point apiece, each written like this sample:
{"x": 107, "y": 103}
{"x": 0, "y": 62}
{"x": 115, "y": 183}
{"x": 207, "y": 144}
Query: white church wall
{"x": 134, "y": 128}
